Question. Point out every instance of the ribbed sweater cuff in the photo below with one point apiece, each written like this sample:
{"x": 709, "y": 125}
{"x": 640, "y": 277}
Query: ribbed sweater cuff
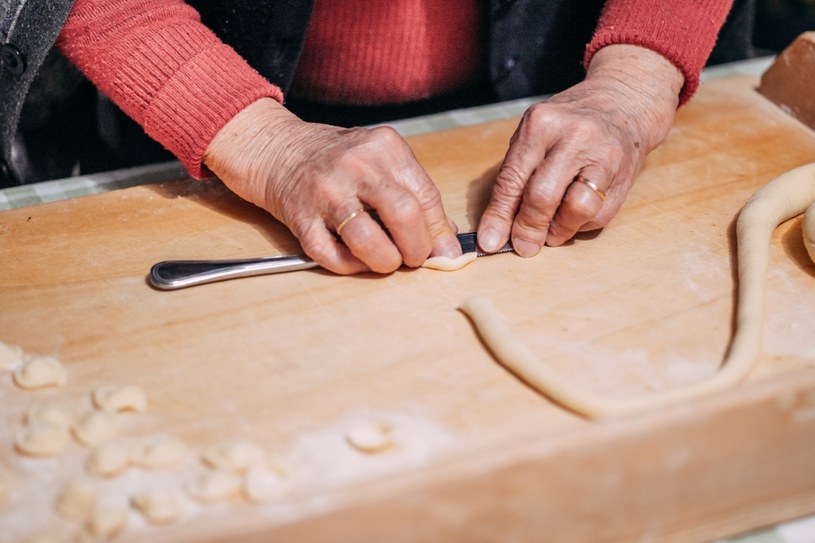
{"x": 166, "y": 70}
{"x": 201, "y": 97}
{"x": 683, "y": 31}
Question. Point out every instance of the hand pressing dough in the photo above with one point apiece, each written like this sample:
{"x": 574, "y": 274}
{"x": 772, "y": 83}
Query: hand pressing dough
{"x": 446, "y": 263}
{"x": 160, "y": 451}
{"x": 215, "y": 485}
{"x": 109, "y": 459}
{"x": 54, "y": 414}
{"x": 77, "y": 500}
{"x": 370, "y": 437}
{"x": 105, "y": 523}
{"x": 116, "y": 398}
{"x": 95, "y": 427}
{"x": 42, "y": 438}
{"x": 40, "y": 372}
{"x": 781, "y": 199}
{"x": 11, "y": 356}
{"x": 234, "y": 455}
{"x": 159, "y": 506}
{"x": 263, "y": 483}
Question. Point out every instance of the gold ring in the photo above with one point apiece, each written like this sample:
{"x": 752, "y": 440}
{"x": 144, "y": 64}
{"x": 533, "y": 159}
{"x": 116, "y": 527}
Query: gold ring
{"x": 600, "y": 192}
{"x": 348, "y": 219}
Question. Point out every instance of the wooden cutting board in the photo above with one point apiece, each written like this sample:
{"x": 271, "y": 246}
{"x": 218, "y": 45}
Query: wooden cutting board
{"x": 294, "y": 361}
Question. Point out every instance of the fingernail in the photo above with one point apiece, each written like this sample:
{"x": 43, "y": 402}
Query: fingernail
{"x": 489, "y": 240}
{"x": 525, "y": 248}
{"x": 452, "y": 250}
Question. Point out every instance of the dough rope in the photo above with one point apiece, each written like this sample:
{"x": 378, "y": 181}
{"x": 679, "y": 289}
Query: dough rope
{"x": 783, "y": 198}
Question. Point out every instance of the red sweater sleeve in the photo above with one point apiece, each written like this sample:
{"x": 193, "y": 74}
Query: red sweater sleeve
{"x": 164, "y": 68}
{"x": 683, "y": 31}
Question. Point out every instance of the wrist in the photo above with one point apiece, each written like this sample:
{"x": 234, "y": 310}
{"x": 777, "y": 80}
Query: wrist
{"x": 241, "y": 152}
{"x": 649, "y": 84}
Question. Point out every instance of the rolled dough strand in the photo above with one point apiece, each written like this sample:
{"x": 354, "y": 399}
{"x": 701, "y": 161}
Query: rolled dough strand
{"x": 783, "y": 198}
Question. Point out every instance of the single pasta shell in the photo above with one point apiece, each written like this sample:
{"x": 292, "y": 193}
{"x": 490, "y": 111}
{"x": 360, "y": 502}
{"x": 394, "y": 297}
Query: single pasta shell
{"x": 95, "y": 427}
{"x": 159, "y": 506}
{"x": 116, "y": 398}
{"x": 371, "y": 437}
{"x": 234, "y": 455}
{"x": 43, "y": 439}
{"x": 106, "y": 522}
{"x": 109, "y": 459}
{"x": 40, "y": 372}
{"x": 76, "y": 500}
{"x": 159, "y": 451}
{"x": 262, "y": 484}
{"x": 215, "y": 485}
{"x": 54, "y": 414}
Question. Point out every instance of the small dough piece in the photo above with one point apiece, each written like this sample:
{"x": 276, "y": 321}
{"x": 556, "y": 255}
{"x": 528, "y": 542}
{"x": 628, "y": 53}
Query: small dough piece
{"x": 236, "y": 455}
{"x": 159, "y": 451}
{"x": 95, "y": 427}
{"x": 11, "y": 356}
{"x": 54, "y": 414}
{"x": 77, "y": 500}
{"x": 445, "y": 263}
{"x": 215, "y": 485}
{"x": 263, "y": 484}
{"x": 109, "y": 459}
{"x": 40, "y": 372}
{"x": 43, "y": 439}
{"x": 116, "y": 398}
{"x": 370, "y": 438}
{"x": 159, "y": 505}
{"x": 106, "y": 522}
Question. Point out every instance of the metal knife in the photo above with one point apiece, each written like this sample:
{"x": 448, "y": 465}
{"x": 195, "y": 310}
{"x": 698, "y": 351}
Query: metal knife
{"x": 175, "y": 274}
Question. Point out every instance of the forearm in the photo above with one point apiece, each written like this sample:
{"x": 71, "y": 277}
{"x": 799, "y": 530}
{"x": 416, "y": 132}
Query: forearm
{"x": 164, "y": 68}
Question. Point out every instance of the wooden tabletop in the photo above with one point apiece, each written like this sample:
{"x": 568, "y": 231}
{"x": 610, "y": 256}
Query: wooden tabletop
{"x": 294, "y": 361}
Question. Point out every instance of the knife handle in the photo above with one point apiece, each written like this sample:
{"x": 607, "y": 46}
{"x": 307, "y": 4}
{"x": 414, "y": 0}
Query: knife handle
{"x": 175, "y": 274}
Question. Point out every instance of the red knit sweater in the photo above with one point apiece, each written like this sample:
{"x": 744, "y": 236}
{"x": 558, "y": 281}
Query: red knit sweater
{"x": 172, "y": 75}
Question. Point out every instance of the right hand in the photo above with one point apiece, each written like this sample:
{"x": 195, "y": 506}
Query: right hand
{"x": 312, "y": 177}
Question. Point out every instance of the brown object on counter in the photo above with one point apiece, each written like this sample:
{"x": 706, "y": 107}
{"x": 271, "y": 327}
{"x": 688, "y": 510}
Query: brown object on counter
{"x": 790, "y": 81}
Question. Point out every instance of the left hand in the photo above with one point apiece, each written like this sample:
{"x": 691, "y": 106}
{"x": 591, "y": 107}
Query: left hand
{"x": 601, "y": 129}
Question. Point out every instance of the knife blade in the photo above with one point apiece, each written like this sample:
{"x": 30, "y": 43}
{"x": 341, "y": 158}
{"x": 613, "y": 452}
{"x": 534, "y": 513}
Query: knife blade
{"x": 176, "y": 274}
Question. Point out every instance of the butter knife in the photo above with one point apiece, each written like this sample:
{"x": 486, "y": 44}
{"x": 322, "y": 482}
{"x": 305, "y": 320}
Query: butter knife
{"x": 175, "y": 274}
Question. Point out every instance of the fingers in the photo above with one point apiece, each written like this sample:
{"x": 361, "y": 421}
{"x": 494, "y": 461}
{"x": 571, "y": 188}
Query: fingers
{"x": 584, "y": 199}
{"x": 369, "y": 190}
{"x": 536, "y": 200}
{"x": 541, "y": 199}
{"x": 496, "y": 222}
{"x": 401, "y": 214}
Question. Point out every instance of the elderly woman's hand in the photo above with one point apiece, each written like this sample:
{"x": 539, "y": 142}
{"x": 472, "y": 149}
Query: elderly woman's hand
{"x": 578, "y": 147}
{"x": 323, "y": 182}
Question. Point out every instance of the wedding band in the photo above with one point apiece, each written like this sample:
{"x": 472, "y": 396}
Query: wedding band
{"x": 600, "y": 192}
{"x": 348, "y": 219}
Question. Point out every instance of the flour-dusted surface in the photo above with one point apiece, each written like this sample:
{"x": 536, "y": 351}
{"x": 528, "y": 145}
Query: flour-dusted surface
{"x": 296, "y": 361}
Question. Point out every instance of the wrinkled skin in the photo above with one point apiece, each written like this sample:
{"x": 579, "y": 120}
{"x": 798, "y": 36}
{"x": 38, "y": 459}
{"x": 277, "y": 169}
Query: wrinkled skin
{"x": 312, "y": 176}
